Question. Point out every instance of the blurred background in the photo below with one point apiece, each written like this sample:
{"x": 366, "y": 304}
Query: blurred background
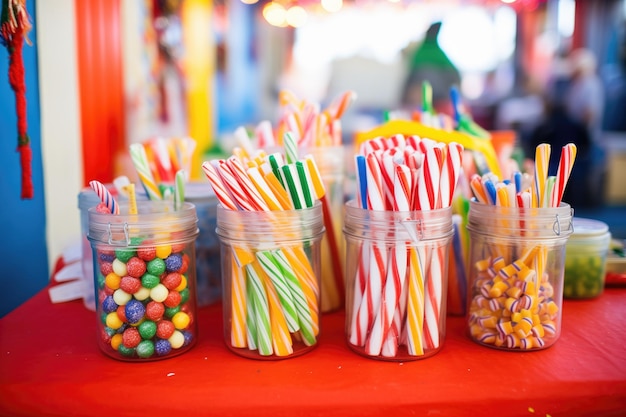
{"x": 103, "y": 74}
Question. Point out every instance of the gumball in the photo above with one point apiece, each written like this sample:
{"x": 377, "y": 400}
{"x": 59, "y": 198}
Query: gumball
{"x": 162, "y": 347}
{"x": 171, "y": 311}
{"x": 185, "y": 265}
{"x": 130, "y": 285}
{"x": 150, "y": 281}
{"x": 146, "y": 253}
{"x": 142, "y": 294}
{"x": 106, "y": 268}
{"x": 147, "y": 329}
{"x": 156, "y": 266}
{"x": 109, "y": 305}
{"x": 177, "y": 339}
{"x": 178, "y": 247}
{"x": 107, "y": 290}
{"x": 145, "y": 349}
{"x": 105, "y": 335}
{"x": 188, "y": 338}
{"x": 173, "y": 299}
{"x": 154, "y": 310}
{"x": 159, "y": 293}
{"x": 124, "y": 254}
{"x": 116, "y": 341}
{"x": 181, "y": 320}
{"x": 112, "y": 281}
{"x": 171, "y": 280}
{"x": 106, "y": 257}
{"x": 135, "y": 311}
{"x": 121, "y": 313}
{"x": 135, "y": 267}
{"x": 183, "y": 284}
{"x": 163, "y": 251}
{"x": 121, "y": 297}
{"x": 131, "y": 337}
{"x": 184, "y": 296}
{"x": 113, "y": 321}
{"x": 126, "y": 351}
{"x": 102, "y": 208}
{"x": 101, "y": 297}
{"x": 173, "y": 262}
{"x": 119, "y": 267}
{"x": 165, "y": 329}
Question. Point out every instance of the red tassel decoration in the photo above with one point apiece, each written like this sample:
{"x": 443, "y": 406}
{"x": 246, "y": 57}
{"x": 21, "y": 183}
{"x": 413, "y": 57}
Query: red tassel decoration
{"x": 14, "y": 27}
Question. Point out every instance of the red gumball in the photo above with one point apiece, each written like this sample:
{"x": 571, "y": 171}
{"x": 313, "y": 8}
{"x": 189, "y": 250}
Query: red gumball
{"x": 106, "y": 268}
{"x": 131, "y": 337}
{"x": 165, "y": 329}
{"x": 171, "y": 280}
{"x": 135, "y": 267}
{"x": 173, "y": 299}
{"x": 121, "y": 313}
{"x": 185, "y": 264}
{"x": 154, "y": 310}
{"x": 130, "y": 284}
{"x": 146, "y": 253}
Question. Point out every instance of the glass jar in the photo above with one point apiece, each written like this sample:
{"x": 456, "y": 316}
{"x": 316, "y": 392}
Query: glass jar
{"x": 271, "y": 280}
{"x": 208, "y": 271}
{"x": 396, "y": 281}
{"x": 515, "y": 271}
{"x": 145, "y": 280}
{"x": 330, "y": 161}
{"x": 585, "y": 259}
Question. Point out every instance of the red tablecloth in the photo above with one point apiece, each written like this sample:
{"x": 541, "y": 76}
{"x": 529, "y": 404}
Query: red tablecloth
{"x": 50, "y": 366}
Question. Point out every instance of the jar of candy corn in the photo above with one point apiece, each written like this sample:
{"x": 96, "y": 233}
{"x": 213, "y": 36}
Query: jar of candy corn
{"x": 271, "y": 280}
{"x": 515, "y": 270}
{"x": 396, "y": 281}
{"x": 585, "y": 259}
{"x": 145, "y": 280}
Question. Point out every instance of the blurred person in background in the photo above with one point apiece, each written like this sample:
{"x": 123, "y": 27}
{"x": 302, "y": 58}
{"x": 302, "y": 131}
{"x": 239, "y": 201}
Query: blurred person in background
{"x": 430, "y": 63}
{"x": 574, "y": 105}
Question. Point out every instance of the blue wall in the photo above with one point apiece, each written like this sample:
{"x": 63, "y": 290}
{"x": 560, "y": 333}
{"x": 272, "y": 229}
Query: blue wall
{"x": 23, "y": 252}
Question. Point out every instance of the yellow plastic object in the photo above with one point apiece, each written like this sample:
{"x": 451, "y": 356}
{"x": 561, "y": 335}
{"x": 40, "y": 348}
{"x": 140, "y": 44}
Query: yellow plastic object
{"x": 408, "y": 127}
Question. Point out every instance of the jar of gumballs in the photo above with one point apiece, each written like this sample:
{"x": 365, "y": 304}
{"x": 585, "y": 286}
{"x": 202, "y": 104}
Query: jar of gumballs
{"x": 145, "y": 280}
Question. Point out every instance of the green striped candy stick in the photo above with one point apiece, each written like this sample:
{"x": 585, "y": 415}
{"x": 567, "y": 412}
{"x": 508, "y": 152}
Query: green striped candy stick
{"x": 261, "y": 311}
{"x": 272, "y": 269}
{"x": 302, "y": 307}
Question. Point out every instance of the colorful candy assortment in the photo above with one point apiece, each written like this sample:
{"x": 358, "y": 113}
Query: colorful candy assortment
{"x": 398, "y": 290}
{"x": 514, "y": 303}
{"x": 144, "y": 300}
{"x": 274, "y": 292}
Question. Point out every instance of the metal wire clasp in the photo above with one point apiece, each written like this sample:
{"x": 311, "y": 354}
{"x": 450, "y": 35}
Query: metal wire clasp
{"x": 113, "y": 241}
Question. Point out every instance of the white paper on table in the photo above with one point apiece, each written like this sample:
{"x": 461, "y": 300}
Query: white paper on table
{"x": 72, "y": 253}
{"x": 70, "y": 272}
{"x": 68, "y": 291}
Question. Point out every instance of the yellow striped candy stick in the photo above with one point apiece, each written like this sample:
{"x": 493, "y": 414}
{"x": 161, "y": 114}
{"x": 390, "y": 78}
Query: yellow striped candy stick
{"x": 415, "y": 305}
{"x": 238, "y": 306}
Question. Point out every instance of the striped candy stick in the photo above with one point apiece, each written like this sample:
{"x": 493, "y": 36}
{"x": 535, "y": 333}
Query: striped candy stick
{"x": 105, "y": 196}
{"x": 566, "y": 164}
{"x": 132, "y": 198}
{"x": 402, "y": 191}
{"x": 140, "y": 162}
{"x": 384, "y": 319}
{"x": 542, "y": 159}
{"x": 258, "y": 306}
{"x": 272, "y": 269}
{"x": 179, "y": 189}
{"x": 264, "y": 135}
{"x": 450, "y": 172}
{"x": 240, "y": 174}
{"x": 282, "y": 343}
{"x": 239, "y": 196}
{"x": 307, "y": 319}
{"x": 244, "y": 142}
{"x": 238, "y": 306}
{"x": 291, "y": 147}
{"x": 318, "y": 188}
{"x": 414, "y": 327}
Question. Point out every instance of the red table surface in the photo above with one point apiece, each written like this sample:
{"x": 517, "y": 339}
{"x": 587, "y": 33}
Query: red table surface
{"x": 50, "y": 366}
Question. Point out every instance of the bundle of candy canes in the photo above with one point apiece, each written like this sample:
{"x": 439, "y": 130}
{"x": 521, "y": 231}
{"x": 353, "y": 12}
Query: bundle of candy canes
{"x": 512, "y": 302}
{"x": 275, "y": 292}
{"x": 398, "y": 291}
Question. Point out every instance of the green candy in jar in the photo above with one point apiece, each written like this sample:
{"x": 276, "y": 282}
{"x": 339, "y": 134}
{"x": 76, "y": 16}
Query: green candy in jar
{"x": 585, "y": 259}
